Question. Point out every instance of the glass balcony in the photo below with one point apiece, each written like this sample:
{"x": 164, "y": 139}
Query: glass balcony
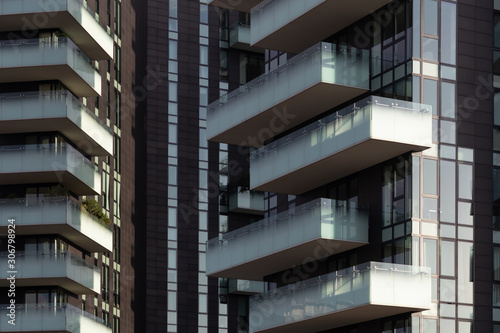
{"x": 49, "y": 163}
{"x": 246, "y": 201}
{"x": 51, "y": 318}
{"x": 56, "y": 215}
{"x": 241, "y": 6}
{"x": 309, "y": 84}
{"x": 63, "y": 269}
{"x": 359, "y": 136}
{"x": 55, "y": 111}
{"x": 246, "y": 287}
{"x": 42, "y": 60}
{"x": 293, "y": 25}
{"x": 306, "y": 233}
{"x": 361, "y": 293}
{"x": 73, "y": 17}
{"x": 239, "y": 38}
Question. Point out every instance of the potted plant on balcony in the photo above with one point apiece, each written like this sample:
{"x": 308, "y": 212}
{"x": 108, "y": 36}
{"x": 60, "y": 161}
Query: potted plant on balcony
{"x": 58, "y": 191}
{"x": 95, "y": 209}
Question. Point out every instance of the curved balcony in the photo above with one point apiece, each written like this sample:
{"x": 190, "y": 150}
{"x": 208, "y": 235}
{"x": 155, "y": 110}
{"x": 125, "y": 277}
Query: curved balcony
{"x": 309, "y": 232}
{"x": 62, "y": 269}
{"x": 49, "y": 163}
{"x": 71, "y": 16}
{"x": 361, "y": 293}
{"x": 40, "y": 60}
{"x": 308, "y": 85}
{"x": 359, "y": 136}
{"x": 53, "y": 111}
{"x": 56, "y": 215}
{"x": 51, "y": 318}
{"x": 239, "y": 5}
{"x": 293, "y": 25}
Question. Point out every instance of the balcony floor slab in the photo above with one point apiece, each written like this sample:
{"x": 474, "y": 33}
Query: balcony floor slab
{"x": 317, "y": 249}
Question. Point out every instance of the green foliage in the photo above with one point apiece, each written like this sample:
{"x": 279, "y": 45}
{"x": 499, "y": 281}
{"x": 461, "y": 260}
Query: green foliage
{"x": 244, "y": 182}
{"x": 58, "y": 191}
{"x": 94, "y": 208}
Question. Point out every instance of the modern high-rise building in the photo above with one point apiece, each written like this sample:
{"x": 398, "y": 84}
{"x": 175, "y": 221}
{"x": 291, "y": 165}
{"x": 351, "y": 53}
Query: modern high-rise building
{"x": 248, "y": 166}
{"x": 369, "y": 129}
{"x": 60, "y": 166}
{"x": 176, "y": 47}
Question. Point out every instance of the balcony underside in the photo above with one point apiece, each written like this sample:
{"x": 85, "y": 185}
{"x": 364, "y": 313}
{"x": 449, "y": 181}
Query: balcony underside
{"x": 239, "y": 5}
{"x": 66, "y": 178}
{"x": 318, "y": 24}
{"x": 334, "y": 167}
{"x": 246, "y": 210}
{"x": 66, "y": 22}
{"x": 287, "y": 114}
{"x": 341, "y": 318}
{"x": 63, "y": 282}
{"x": 62, "y": 72}
{"x": 257, "y": 269}
{"x": 65, "y": 126}
{"x": 242, "y": 45}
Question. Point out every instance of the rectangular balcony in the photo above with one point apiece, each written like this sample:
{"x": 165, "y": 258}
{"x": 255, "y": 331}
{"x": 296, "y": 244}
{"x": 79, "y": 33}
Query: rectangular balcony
{"x": 361, "y": 293}
{"x": 49, "y": 163}
{"x": 55, "y": 111}
{"x": 359, "y": 136}
{"x": 57, "y": 216}
{"x": 239, "y": 38}
{"x": 44, "y": 60}
{"x": 51, "y": 318}
{"x": 246, "y": 202}
{"x": 308, "y": 85}
{"x": 246, "y": 287}
{"x": 62, "y": 269}
{"x": 293, "y": 25}
{"x": 239, "y": 5}
{"x": 73, "y": 17}
{"x": 306, "y": 233}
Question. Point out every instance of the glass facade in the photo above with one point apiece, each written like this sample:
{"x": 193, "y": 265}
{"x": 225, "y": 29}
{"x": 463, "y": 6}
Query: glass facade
{"x": 424, "y": 211}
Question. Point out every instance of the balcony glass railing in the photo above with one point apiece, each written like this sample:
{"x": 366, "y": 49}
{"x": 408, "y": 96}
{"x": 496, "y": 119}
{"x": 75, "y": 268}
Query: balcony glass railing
{"x": 245, "y": 200}
{"x": 49, "y": 159}
{"x": 57, "y": 104}
{"x": 239, "y": 33}
{"x": 345, "y": 297}
{"x": 29, "y": 53}
{"x": 49, "y": 14}
{"x": 313, "y": 221}
{"x": 53, "y": 265}
{"x": 53, "y": 213}
{"x": 36, "y": 6}
{"x": 291, "y": 83}
{"x": 246, "y": 287}
{"x": 50, "y": 317}
{"x": 382, "y": 119}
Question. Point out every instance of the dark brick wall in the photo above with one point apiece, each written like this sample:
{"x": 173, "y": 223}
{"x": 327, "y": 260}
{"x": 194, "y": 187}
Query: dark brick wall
{"x": 151, "y": 121}
{"x": 475, "y": 128}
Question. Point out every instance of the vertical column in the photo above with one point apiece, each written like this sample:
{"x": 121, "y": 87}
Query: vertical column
{"x": 172, "y": 165}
